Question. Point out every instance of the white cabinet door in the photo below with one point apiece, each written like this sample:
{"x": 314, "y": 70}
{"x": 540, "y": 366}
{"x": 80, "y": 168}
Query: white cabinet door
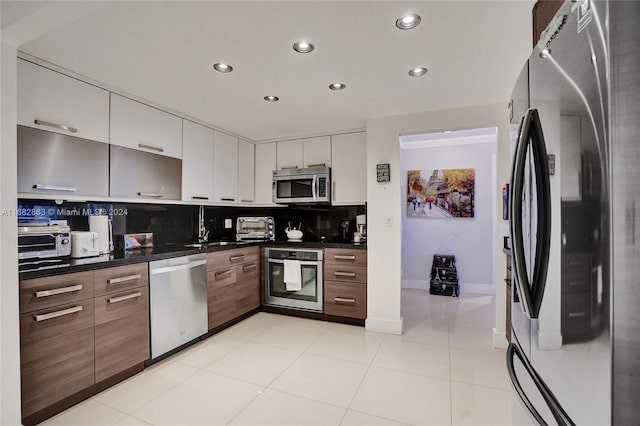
{"x": 290, "y": 154}
{"x": 225, "y": 167}
{"x": 266, "y": 163}
{"x": 246, "y": 171}
{"x": 197, "y": 162}
{"x": 317, "y": 151}
{"x": 61, "y": 104}
{"x": 349, "y": 170}
{"x": 139, "y": 126}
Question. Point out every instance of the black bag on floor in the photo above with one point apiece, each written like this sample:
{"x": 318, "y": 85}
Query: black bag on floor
{"x": 444, "y": 261}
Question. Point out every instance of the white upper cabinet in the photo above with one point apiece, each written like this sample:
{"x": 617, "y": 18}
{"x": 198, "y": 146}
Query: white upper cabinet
{"x": 52, "y": 101}
{"x": 246, "y": 171}
{"x": 266, "y": 163}
{"x": 139, "y": 126}
{"x": 225, "y": 167}
{"x": 349, "y": 171}
{"x": 290, "y": 154}
{"x": 317, "y": 151}
{"x": 197, "y": 162}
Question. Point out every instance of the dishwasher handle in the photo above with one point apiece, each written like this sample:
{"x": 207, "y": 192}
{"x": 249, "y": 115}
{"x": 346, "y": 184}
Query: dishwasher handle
{"x": 181, "y": 267}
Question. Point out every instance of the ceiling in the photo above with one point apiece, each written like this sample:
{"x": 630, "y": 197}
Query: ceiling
{"x": 163, "y": 52}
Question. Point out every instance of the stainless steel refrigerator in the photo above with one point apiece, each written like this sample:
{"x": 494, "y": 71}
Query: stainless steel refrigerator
{"x": 575, "y": 113}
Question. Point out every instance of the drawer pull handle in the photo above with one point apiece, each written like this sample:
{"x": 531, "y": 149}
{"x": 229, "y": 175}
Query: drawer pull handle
{"x": 250, "y": 267}
{"x": 345, "y": 274}
{"x": 576, "y": 263}
{"x": 246, "y": 201}
{"x": 56, "y": 125}
{"x": 150, "y": 194}
{"x": 199, "y": 197}
{"x": 124, "y": 279}
{"x": 45, "y": 187}
{"x": 288, "y": 167}
{"x": 227, "y": 272}
{"x": 63, "y": 290}
{"x": 232, "y": 258}
{"x": 317, "y": 165}
{"x": 227, "y": 199}
{"x": 151, "y": 147}
{"x": 343, "y": 257}
{"x": 576, "y": 314}
{"x": 57, "y": 314}
{"x": 576, "y": 283}
{"x": 125, "y": 297}
{"x": 344, "y": 301}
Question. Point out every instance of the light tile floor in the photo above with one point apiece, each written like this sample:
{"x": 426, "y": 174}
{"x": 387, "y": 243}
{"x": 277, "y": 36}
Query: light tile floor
{"x": 279, "y": 370}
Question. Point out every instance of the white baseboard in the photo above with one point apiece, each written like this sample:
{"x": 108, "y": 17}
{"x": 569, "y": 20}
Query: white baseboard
{"x": 500, "y": 339}
{"x": 384, "y": 325}
{"x": 549, "y": 342}
{"x": 416, "y": 284}
{"x": 476, "y": 288}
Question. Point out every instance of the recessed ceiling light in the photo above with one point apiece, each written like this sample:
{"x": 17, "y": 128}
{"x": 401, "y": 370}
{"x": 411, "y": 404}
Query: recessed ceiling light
{"x": 271, "y": 98}
{"x": 417, "y": 72}
{"x": 337, "y": 86}
{"x": 408, "y": 22}
{"x": 224, "y": 68}
{"x": 303, "y": 47}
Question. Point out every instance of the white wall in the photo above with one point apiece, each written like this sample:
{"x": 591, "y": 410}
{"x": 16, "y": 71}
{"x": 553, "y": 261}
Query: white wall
{"x": 9, "y": 331}
{"x": 385, "y": 202}
{"x": 470, "y": 240}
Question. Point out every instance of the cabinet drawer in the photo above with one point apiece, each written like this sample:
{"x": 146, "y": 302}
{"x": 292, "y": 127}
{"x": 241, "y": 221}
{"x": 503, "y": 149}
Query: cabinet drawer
{"x": 221, "y": 303}
{"x": 576, "y": 313}
{"x": 248, "y": 287}
{"x": 41, "y": 293}
{"x": 53, "y": 368}
{"x": 122, "y": 331}
{"x": 56, "y": 321}
{"x": 349, "y": 273}
{"x": 345, "y": 300}
{"x": 111, "y": 280}
{"x": 226, "y": 258}
{"x": 221, "y": 278}
{"x": 345, "y": 256}
{"x": 575, "y": 262}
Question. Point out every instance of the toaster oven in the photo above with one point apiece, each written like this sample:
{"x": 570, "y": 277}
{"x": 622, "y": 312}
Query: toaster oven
{"x": 35, "y": 242}
{"x": 255, "y": 228}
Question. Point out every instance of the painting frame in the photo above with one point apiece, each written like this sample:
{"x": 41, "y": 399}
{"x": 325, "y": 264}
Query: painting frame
{"x": 441, "y": 193}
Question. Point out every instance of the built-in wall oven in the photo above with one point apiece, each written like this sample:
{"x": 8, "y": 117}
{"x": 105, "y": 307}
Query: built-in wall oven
{"x": 294, "y": 278}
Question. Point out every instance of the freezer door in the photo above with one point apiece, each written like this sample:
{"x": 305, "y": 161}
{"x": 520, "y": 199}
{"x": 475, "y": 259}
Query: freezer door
{"x": 570, "y": 348}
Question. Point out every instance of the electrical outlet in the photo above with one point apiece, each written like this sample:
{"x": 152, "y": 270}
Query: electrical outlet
{"x": 388, "y": 221}
{"x": 228, "y": 223}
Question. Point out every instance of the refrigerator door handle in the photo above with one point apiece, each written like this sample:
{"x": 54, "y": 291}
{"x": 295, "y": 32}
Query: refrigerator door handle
{"x": 543, "y": 195}
{"x": 559, "y": 415}
{"x": 516, "y": 231}
{"x": 511, "y": 351}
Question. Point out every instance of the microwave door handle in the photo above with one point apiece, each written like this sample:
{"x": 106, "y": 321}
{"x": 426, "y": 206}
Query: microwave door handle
{"x": 314, "y": 187}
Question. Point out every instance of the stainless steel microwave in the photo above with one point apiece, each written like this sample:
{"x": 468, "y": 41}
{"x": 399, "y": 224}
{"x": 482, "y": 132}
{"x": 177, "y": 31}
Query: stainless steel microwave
{"x": 301, "y": 186}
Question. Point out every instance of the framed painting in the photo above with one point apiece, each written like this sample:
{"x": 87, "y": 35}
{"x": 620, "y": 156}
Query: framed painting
{"x": 441, "y": 193}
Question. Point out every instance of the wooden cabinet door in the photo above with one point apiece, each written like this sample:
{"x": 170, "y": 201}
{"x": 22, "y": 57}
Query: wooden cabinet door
{"x": 289, "y": 154}
{"x": 197, "y": 162}
{"x": 248, "y": 287}
{"x": 221, "y": 296}
{"x": 121, "y": 331}
{"x": 56, "y": 100}
{"x": 349, "y": 168}
{"x": 225, "y": 168}
{"x": 317, "y": 151}
{"x": 56, "y": 354}
{"x": 246, "y": 172}
{"x": 141, "y": 127}
{"x": 266, "y": 163}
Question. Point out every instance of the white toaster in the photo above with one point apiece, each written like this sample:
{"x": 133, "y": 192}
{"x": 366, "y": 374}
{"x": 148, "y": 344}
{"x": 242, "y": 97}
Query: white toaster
{"x": 84, "y": 244}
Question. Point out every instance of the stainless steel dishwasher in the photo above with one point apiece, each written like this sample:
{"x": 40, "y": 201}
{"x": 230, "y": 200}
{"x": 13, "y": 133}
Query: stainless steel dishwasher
{"x": 178, "y": 295}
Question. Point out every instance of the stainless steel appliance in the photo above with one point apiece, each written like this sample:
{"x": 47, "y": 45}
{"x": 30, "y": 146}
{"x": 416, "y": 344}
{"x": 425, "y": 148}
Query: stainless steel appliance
{"x": 306, "y": 264}
{"x": 297, "y": 186}
{"x": 255, "y": 228}
{"x": 178, "y": 302}
{"x": 42, "y": 240}
{"x": 575, "y": 242}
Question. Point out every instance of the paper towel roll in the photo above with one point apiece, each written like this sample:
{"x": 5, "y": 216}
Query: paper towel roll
{"x": 101, "y": 225}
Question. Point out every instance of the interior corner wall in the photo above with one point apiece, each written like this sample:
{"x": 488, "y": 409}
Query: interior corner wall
{"x": 385, "y": 205}
{"x": 470, "y": 240}
{"x": 9, "y": 319}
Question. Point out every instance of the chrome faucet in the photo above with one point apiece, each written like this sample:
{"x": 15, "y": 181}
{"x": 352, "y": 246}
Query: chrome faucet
{"x": 203, "y": 233}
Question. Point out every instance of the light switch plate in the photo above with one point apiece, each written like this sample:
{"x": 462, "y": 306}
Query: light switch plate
{"x": 228, "y": 224}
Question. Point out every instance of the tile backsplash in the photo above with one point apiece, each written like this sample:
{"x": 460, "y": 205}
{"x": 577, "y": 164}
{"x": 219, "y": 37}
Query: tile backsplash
{"x": 178, "y": 223}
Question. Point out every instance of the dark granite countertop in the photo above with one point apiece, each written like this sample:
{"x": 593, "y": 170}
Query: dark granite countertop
{"x": 158, "y": 252}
